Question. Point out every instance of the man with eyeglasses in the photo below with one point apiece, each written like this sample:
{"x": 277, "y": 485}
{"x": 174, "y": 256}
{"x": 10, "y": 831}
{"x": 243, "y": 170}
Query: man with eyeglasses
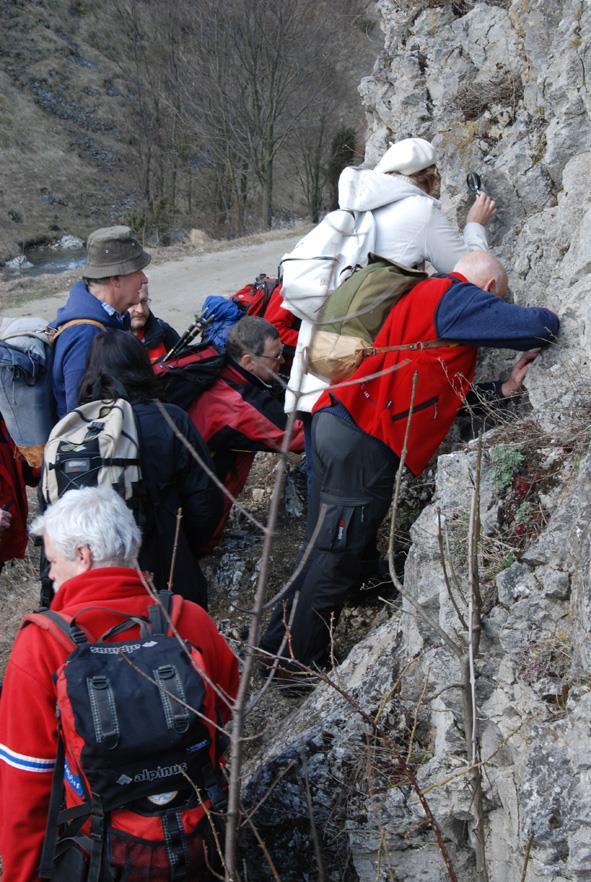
{"x": 242, "y": 412}
{"x": 157, "y": 336}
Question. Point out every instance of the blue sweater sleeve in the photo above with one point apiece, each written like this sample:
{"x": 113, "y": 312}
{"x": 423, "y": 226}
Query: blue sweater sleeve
{"x": 467, "y": 314}
{"x": 74, "y": 360}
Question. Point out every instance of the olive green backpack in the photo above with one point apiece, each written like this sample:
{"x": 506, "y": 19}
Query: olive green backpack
{"x": 353, "y": 315}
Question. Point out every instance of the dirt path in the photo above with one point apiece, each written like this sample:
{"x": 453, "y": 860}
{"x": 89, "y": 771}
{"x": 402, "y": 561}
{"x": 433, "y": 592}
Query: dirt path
{"x": 179, "y": 286}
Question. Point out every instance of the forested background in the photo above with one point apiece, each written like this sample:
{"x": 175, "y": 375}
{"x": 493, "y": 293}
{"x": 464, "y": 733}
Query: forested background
{"x": 227, "y": 116}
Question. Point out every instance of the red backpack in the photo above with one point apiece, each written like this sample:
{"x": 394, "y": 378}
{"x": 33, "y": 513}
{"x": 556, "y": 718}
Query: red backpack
{"x": 137, "y": 780}
{"x": 254, "y": 298}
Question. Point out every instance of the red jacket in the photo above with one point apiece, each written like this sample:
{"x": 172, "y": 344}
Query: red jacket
{"x": 13, "y": 497}
{"x": 27, "y": 707}
{"x": 237, "y": 416}
{"x": 444, "y": 374}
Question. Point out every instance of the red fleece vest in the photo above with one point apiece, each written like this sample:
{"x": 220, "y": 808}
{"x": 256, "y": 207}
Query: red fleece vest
{"x": 381, "y": 406}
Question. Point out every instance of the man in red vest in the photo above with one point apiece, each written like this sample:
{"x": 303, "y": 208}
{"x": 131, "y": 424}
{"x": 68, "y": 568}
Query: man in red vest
{"x": 358, "y": 429}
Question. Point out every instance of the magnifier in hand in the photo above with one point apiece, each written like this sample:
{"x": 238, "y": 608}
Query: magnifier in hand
{"x": 474, "y": 183}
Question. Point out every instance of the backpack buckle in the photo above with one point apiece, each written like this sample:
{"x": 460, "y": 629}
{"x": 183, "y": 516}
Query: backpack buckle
{"x": 217, "y": 796}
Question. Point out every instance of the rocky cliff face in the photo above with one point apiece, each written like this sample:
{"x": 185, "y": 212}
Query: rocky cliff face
{"x": 500, "y": 88}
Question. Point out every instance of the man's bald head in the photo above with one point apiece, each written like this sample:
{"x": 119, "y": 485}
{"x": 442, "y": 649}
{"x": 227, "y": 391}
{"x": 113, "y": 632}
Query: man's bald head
{"x": 484, "y": 270}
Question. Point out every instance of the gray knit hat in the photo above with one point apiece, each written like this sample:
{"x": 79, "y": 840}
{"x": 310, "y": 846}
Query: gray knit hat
{"x": 114, "y": 251}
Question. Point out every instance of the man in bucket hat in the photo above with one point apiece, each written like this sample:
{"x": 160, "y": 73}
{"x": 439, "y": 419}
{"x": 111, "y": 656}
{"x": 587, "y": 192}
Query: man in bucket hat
{"x": 111, "y": 283}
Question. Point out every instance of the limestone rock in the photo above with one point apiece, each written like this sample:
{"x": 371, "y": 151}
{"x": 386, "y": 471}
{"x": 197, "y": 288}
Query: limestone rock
{"x": 501, "y": 88}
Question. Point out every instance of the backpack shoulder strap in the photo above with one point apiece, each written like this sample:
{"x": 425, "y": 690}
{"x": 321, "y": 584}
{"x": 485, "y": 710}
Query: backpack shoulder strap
{"x": 165, "y": 612}
{"x": 159, "y": 613}
{"x": 51, "y": 828}
{"x": 57, "y": 624}
{"x": 73, "y": 322}
{"x": 418, "y": 346}
{"x": 268, "y": 286}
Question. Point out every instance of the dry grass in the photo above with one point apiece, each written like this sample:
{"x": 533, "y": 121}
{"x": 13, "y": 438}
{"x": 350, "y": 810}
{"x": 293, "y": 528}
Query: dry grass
{"x": 473, "y": 98}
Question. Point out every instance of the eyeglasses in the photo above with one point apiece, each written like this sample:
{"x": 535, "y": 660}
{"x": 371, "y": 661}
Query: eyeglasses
{"x": 277, "y": 357}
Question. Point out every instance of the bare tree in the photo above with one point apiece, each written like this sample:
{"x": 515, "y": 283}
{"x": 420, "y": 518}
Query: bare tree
{"x": 217, "y": 93}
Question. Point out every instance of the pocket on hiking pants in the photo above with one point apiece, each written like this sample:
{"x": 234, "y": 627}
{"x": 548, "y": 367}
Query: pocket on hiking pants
{"x": 337, "y": 526}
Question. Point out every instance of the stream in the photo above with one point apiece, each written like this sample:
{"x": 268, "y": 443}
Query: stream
{"x": 60, "y": 257}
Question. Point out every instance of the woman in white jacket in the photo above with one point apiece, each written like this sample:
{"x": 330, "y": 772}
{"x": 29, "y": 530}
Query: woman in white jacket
{"x": 401, "y": 193}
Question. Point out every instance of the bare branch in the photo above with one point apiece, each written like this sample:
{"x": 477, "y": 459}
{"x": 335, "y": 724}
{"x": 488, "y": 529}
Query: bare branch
{"x": 179, "y": 517}
{"x": 445, "y": 573}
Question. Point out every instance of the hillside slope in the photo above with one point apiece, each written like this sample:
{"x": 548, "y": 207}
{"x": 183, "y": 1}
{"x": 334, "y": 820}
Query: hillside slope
{"x": 63, "y": 160}
{"x": 95, "y": 129}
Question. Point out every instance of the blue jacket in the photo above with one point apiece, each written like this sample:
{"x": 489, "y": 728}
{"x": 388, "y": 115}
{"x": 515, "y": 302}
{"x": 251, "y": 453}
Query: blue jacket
{"x": 70, "y": 353}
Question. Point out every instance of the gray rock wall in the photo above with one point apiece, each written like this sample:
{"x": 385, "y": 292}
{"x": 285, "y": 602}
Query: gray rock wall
{"x": 503, "y": 89}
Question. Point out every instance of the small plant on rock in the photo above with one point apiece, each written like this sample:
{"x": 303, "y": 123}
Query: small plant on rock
{"x": 506, "y": 460}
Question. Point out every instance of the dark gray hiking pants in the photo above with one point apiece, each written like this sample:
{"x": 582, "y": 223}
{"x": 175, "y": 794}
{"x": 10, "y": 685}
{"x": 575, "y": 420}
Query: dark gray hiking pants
{"x": 353, "y": 479}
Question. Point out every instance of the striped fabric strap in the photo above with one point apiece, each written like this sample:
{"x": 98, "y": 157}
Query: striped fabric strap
{"x": 23, "y": 762}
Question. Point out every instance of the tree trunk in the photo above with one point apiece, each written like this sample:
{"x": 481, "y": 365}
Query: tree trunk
{"x": 268, "y": 193}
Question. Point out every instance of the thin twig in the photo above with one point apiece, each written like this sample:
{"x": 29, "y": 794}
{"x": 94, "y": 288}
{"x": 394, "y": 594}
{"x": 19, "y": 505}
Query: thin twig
{"x": 240, "y": 705}
{"x": 461, "y": 618}
{"x": 208, "y": 471}
{"x": 301, "y": 564}
{"x": 452, "y": 568}
{"x": 276, "y": 656}
{"x": 469, "y": 673}
{"x": 250, "y": 814}
{"x": 387, "y": 697}
{"x": 407, "y": 770}
{"x": 151, "y": 591}
{"x": 264, "y": 849}
{"x": 415, "y": 721}
{"x": 461, "y": 773}
{"x": 313, "y": 829}
{"x": 179, "y": 517}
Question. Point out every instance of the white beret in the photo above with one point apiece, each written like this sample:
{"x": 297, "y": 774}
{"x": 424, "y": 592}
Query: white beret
{"x": 407, "y": 157}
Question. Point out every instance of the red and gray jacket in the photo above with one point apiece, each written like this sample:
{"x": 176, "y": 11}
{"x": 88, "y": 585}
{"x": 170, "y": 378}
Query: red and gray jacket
{"x": 237, "y": 416}
{"x": 463, "y": 317}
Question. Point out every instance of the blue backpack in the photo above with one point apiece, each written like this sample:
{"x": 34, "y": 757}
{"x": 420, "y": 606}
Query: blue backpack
{"x": 220, "y": 315}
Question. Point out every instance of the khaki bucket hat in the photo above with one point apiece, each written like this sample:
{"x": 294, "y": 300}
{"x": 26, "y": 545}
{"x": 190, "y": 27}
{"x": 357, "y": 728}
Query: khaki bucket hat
{"x": 114, "y": 251}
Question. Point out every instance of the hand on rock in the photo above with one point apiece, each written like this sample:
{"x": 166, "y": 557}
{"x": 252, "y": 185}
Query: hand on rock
{"x": 483, "y": 210}
{"x": 513, "y": 385}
